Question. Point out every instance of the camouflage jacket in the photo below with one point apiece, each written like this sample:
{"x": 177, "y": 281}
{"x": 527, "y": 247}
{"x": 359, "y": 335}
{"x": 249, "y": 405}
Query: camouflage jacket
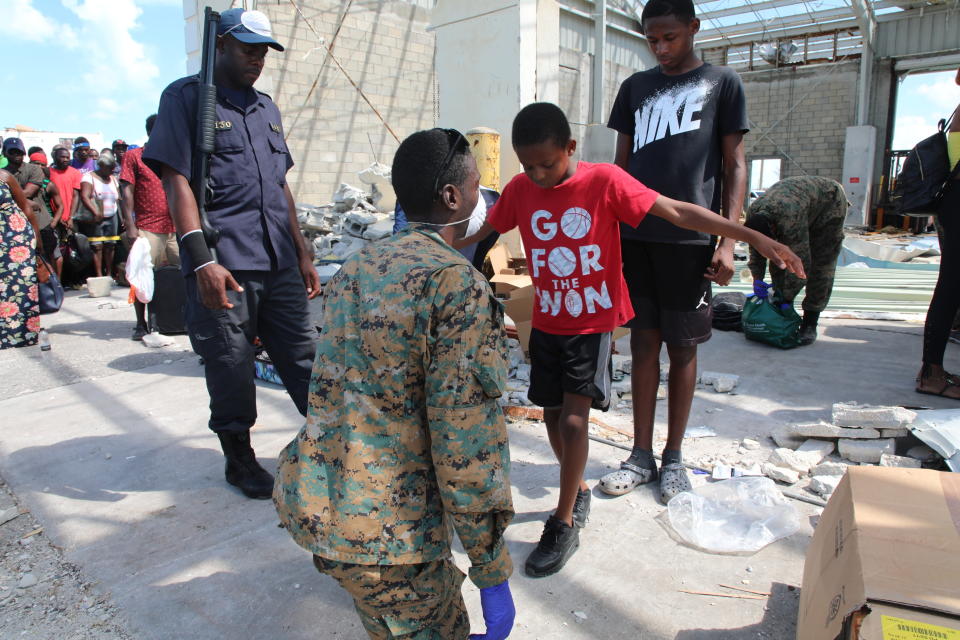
{"x": 799, "y": 209}
{"x": 404, "y": 435}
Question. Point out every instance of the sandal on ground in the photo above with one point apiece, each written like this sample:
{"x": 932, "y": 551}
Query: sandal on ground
{"x": 626, "y": 479}
{"x": 673, "y": 481}
{"x": 950, "y": 388}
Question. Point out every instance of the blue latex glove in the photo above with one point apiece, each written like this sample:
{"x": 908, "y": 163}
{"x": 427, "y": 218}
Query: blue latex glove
{"x": 761, "y": 289}
{"x": 498, "y": 612}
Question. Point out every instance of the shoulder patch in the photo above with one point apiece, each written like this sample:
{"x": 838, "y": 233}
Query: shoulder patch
{"x": 275, "y": 127}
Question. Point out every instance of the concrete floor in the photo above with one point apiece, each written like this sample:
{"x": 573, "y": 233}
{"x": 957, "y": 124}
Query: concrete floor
{"x": 105, "y": 440}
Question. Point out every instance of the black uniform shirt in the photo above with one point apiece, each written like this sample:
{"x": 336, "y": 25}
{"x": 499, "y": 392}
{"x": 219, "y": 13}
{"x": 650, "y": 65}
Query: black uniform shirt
{"x": 247, "y": 173}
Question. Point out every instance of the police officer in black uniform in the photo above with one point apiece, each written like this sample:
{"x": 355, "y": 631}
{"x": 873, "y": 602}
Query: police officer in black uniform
{"x": 264, "y": 274}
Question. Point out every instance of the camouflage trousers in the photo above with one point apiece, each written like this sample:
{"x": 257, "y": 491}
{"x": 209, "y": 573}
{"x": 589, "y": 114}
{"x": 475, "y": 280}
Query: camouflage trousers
{"x": 818, "y": 248}
{"x": 409, "y": 601}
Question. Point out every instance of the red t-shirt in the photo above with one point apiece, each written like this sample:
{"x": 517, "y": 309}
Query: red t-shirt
{"x": 66, "y": 181}
{"x": 571, "y": 235}
{"x": 149, "y": 200}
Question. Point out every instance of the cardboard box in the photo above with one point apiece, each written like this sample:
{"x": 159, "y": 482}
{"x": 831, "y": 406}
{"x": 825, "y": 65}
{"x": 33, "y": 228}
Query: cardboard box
{"x": 884, "y": 563}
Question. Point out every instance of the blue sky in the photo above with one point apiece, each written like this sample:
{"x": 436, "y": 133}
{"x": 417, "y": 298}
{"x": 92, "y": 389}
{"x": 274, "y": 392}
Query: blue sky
{"x": 98, "y": 66}
{"x": 94, "y": 66}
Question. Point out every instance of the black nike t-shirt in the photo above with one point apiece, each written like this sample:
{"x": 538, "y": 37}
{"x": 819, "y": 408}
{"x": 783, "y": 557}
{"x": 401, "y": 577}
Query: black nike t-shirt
{"x": 676, "y": 124}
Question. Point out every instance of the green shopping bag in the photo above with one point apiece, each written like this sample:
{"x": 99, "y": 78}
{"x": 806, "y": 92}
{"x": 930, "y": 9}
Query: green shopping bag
{"x": 764, "y": 321}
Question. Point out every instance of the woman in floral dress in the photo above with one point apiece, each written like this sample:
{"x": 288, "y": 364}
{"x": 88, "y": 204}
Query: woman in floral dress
{"x": 19, "y": 307}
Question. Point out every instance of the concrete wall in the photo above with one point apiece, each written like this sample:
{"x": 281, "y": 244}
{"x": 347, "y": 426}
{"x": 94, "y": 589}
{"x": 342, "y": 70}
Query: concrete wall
{"x": 332, "y": 132}
{"x": 804, "y": 112}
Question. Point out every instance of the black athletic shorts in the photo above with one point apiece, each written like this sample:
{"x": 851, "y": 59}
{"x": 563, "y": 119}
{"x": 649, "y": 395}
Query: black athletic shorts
{"x": 580, "y": 364}
{"x": 668, "y": 290}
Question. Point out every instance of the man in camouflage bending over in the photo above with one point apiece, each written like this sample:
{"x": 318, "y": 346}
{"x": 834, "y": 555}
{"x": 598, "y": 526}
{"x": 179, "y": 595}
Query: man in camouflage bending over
{"x": 806, "y": 213}
{"x": 404, "y": 434}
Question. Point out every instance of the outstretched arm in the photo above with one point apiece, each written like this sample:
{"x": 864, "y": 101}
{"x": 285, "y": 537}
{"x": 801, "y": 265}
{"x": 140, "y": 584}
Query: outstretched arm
{"x": 481, "y": 234}
{"x": 691, "y": 216}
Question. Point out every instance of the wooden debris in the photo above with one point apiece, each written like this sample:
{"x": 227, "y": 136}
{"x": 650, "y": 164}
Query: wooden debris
{"x": 724, "y": 595}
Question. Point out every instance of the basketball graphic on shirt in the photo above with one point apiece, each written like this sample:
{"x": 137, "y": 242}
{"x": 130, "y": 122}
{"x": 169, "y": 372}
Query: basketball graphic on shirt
{"x": 562, "y": 261}
{"x": 573, "y": 303}
{"x": 575, "y": 223}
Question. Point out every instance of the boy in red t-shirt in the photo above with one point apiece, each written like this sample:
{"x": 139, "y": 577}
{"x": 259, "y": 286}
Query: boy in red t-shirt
{"x": 569, "y": 216}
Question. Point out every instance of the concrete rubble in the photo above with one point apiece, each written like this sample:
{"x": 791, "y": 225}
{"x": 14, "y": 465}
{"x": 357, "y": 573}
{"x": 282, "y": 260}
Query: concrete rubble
{"x": 888, "y": 460}
{"x": 824, "y": 485}
{"x": 354, "y": 218}
{"x": 721, "y": 382}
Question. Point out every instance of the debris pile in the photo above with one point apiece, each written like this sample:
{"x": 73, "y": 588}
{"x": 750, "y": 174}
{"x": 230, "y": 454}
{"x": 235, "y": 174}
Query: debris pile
{"x": 857, "y": 434}
{"x": 354, "y": 218}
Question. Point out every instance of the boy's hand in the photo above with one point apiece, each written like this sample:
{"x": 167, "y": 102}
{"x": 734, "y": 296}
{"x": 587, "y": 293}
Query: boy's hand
{"x": 721, "y": 268}
{"x": 780, "y": 255}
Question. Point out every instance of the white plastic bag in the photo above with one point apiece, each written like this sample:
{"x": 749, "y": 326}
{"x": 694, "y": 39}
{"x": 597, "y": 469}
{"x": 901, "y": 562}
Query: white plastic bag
{"x": 739, "y": 515}
{"x": 140, "y": 269}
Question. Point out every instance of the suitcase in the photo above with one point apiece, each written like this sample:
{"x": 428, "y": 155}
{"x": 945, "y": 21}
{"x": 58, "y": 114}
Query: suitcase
{"x": 165, "y": 312}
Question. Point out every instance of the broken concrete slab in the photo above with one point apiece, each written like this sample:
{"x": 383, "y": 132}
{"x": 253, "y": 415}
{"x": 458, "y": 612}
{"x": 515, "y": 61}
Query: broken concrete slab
{"x": 824, "y": 485}
{"x": 780, "y": 474}
{"x": 879, "y": 417}
{"x": 823, "y": 448}
{"x": 904, "y": 462}
{"x": 804, "y": 458}
{"x": 823, "y": 429}
{"x": 521, "y": 373}
{"x": 866, "y": 450}
{"x": 750, "y": 444}
{"x": 829, "y": 468}
{"x": 784, "y": 438}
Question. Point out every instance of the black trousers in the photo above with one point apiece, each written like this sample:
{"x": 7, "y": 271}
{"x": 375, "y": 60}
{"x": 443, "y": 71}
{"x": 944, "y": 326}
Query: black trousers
{"x": 946, "y": 295}
{"x": 273, "y": 307}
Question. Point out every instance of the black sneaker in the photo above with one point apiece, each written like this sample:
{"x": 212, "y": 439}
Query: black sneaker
{"x": 581, "y": 508}
{"x": 558, "y": 542}
{"x": 138, "y": 332}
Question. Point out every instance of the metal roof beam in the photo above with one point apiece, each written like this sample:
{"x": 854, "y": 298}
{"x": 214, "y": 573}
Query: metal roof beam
{"x": 758, "y": 35}
{"x": 745, "y": 8}
{"x": 826, "y": 21}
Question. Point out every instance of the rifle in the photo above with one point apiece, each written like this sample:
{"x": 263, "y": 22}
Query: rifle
{"x": 206, "y": 116}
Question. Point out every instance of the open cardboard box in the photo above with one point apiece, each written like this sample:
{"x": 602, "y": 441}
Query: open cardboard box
{"x": 884, "y": 563}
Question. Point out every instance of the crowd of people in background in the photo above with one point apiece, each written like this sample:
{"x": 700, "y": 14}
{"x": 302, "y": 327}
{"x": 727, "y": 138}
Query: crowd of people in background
{"x": 75, "y": 213}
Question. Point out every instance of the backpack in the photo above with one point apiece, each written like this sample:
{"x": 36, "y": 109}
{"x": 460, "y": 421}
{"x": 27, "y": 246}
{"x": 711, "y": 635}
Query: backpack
{"x": 924, "y": 175}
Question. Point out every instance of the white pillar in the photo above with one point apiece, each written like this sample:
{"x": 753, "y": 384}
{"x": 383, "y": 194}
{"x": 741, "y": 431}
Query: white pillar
{"x": 492, "y": 59}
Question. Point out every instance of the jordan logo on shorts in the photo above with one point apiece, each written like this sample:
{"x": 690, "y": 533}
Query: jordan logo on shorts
{"x": 703, "y": 303}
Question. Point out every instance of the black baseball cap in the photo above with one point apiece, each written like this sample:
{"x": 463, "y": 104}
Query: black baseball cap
{"x": 252, "y": 27}
{"x": 14, "y": 143}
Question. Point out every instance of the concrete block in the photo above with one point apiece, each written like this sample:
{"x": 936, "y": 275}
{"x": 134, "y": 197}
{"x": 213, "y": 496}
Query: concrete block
{"x": 888, "y": 460}
{"x": 721, "y": 382}
{"x": 823, "y": 429}
{"x": 824, "y": 485}
{"x": 829, "y": 468}
{"x": 750, "y": 444}
{"x": 783, "y": 438}
{"x": 854, "y": 415}
{"x": 787, "y": 476}
{"x": 865, "y": 450}
{"x": 894, "y": 433}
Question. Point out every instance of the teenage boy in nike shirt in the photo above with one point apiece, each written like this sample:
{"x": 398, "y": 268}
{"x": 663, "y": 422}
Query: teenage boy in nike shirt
{"x": 680, "y": 131}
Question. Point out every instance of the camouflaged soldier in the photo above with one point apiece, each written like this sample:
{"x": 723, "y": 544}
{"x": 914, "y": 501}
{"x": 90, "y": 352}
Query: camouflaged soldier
{"x": 806, "y": 213}
{"x": 404, "y": 435}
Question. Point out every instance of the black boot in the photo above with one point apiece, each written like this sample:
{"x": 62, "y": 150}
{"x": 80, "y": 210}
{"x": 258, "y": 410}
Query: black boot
{"x": 808, "y": 328}
{"x": 242, "y": 469}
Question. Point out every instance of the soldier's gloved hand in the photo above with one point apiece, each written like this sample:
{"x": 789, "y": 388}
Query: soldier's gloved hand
{"x": 498, "y": 612}
{"x": 761, "y": 289}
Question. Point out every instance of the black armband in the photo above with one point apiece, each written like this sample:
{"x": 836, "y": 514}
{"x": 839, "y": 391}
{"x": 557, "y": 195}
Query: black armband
{"x": 197, "y": 249}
